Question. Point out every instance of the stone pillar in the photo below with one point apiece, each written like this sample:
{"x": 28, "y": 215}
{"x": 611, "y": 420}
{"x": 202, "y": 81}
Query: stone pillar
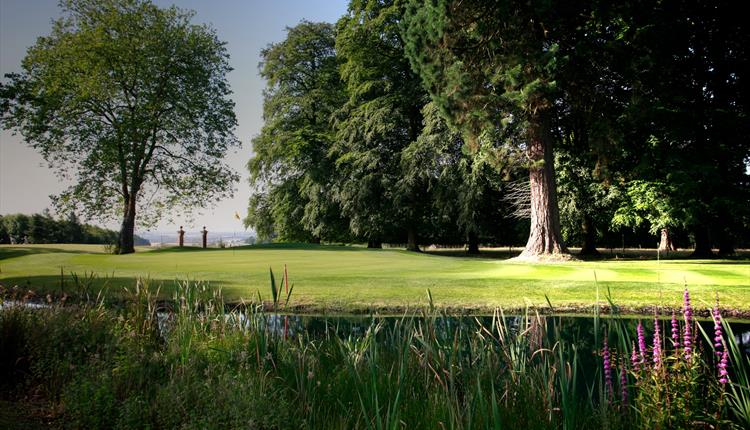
{"x": 181, "y": 234}
{"x": 205, "y": 234}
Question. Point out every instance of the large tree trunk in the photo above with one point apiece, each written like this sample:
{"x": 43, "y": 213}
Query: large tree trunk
{"x": 589, "y": 237}
{"x": 374, "y": 243}
{"x": 411, "y": 241}
{"x": 702, "y": 243}
{"x": 473, "y": 243}
{"x": 665, "y": 244}
{"x": 544, "y": 237}
{"x": 127, "y": 230}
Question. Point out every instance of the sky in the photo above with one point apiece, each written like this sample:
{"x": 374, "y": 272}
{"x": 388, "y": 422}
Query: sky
{"x": 246, "y": 25}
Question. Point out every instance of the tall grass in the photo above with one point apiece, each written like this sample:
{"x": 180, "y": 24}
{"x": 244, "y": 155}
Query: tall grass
{"x": 190, "y": 364}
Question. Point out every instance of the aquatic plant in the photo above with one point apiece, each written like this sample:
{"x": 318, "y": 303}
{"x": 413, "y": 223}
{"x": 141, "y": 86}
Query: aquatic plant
{"x": 191, "y": 363}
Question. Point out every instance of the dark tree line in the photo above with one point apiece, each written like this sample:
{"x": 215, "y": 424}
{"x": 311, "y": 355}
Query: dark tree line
{"x": 473, "y": 122}
{"x": 43, "y": 228}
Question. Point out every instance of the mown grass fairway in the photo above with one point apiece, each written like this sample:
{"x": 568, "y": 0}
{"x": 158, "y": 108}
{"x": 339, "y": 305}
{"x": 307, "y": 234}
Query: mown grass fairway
{"x": 334, "y": 278}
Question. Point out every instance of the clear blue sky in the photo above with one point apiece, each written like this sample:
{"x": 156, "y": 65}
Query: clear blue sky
{"x": 246, "y": 25}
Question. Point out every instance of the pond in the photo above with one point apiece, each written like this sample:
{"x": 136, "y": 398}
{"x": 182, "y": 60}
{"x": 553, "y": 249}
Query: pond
{"x": 578, "y": 330}
{"x": 585, "y": 332}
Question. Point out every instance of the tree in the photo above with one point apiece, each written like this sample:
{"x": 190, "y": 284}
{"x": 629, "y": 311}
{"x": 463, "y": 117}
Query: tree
{"x": 495, "y": 65}
{"x": 688, "y": 115}
{"x": 382, "y": 117}
{"x": 17, "y": 227}
{"x": 293, "y": 169}
{"x": 4, "y": 237}
{"x": 650, "y": 203}
{"x": 464, "y": 188}
{"x": 131, "y": 100}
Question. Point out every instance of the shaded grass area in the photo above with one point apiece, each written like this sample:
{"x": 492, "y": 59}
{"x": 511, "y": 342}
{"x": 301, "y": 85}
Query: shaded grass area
{"x": 356, "y": 279}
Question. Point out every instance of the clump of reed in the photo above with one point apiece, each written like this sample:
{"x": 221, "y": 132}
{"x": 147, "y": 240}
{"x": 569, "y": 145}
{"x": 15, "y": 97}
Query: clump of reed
{"x": 190, "y": 363}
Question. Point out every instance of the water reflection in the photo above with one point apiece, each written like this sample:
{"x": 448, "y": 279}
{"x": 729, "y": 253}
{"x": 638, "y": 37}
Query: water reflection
{"x": 581, "y": 331}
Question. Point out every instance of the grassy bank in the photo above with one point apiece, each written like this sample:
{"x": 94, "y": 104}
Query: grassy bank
{"x": 350, "y": 279}
{"x": 94, "y": 367}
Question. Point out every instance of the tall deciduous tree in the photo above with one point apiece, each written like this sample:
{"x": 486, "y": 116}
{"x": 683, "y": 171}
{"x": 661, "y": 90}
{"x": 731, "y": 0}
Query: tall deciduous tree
{"x": 382, "y": 117}
{"x": 293, "y": 171}
{"x": 132, "y": 101}
{"x": 689, "y": 73}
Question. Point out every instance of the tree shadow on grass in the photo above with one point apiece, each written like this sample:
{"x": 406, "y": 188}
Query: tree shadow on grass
{"x": 110, "y": 286}
{"x": 493, "y": 253}
{"x": 20, "y": 251}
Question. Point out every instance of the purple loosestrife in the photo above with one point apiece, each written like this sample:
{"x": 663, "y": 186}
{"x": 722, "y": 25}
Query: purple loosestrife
{"x": 723, "y": 374}
{"x": 687, "y": 334}
{"x": 608, "y": 385}
{"x": 718, "y": 330}
{"x": 657, "y": 344}
{"x": 623, "y": 384}
{"x": 675, "y": 332}
{"x": 641, "y": 344}
{"x": 634, "y": 358}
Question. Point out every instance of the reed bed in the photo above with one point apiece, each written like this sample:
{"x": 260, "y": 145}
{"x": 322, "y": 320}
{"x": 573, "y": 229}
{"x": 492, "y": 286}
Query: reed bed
{"x": 191, "y": 364}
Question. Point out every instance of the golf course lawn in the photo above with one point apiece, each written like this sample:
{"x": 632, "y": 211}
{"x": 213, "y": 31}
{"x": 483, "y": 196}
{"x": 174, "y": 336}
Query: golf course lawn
{"x": 353, "y": 279}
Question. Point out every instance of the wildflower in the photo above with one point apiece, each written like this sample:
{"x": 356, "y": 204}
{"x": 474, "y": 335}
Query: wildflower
{"x": 675, "y": 332}
{"x": 623, "y": 384}
{"x": 641, "y": 343}
{"x": 718, "y": 331}
{"x": 723, "y": 374}
{"x": 687, "y": 335}
{"x": 657, "y": 344}
{"x": 607, "y": 370}
{"x": 634, "y": 358}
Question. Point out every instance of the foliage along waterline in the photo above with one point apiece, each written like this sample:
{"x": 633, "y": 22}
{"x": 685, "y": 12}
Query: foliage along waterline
{"x": 199, "y": 367}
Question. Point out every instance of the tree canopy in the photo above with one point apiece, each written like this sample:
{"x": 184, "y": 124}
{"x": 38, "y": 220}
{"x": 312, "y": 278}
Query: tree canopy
{"x": 131, "y": 102}
{"x": 630, "y": 122}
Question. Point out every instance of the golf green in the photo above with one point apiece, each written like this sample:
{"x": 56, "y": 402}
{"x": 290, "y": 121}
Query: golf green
{"x": 347, "y": 278}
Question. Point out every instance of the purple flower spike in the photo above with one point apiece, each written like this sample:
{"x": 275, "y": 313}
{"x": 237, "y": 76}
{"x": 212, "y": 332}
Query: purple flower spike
{"x": 623, "y": 384}
{"x": 641, "y": 343}
{"x": 687, "y": 334}
{"x": 607, "y": 370}
{"x": 718, "y": 330}
{"x": 723, "y": 364}
{"x": 634, "y": 358}
{"x": 657, "y": 344}
{"x": 675, "y": 332}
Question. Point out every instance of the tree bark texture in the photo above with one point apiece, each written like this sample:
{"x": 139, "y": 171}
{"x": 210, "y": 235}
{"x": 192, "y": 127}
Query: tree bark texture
{"x": 127, "y": 230}
{"x": 411, "y": 241}
{"x": 545, "y": 238}
{"x": 665, "y": 244}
